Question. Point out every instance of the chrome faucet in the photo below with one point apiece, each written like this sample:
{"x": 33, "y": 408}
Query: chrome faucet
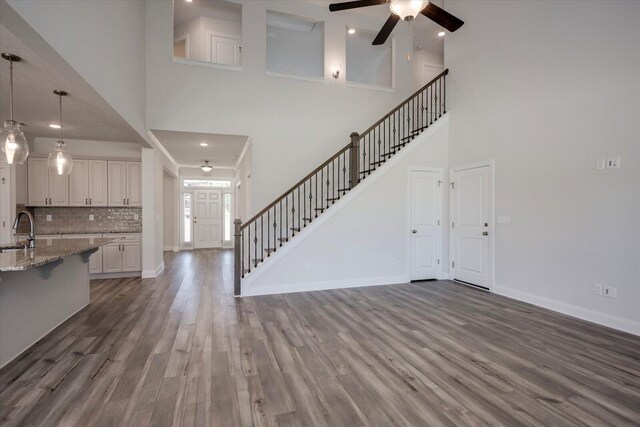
{"x": 31, "y": 240}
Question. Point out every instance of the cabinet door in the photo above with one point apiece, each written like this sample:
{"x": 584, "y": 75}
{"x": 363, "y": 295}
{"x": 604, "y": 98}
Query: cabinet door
{"x": 78, "y": 184}
{"x": 134, "y": 184}
{"x": 58, "y": 189}
{"x": 98, "y": 183}
{"x": 95, "y": 262}
{"x": 112, "y": 258}
{"x": 117, "y": 187}
{"x": 37, "y": 182}
{"x": 131, "y": 257}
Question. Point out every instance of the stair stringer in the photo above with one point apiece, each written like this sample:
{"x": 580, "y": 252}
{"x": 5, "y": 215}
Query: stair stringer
{"x": 329, "y": 242}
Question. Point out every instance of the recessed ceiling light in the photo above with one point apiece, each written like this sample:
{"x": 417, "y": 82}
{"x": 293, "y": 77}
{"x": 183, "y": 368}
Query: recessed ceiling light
{"x": 55, "y": 126}
{"x": 351, "y": 31}
{"x": 204, "y": 144}
{"x": 441, "y": 34}
{"x": 188, "y": 1}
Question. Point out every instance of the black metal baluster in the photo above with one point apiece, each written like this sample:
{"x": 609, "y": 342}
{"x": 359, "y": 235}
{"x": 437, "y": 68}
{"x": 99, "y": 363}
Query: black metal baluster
{"x": 268, "y": 231}
{"x": 444, "y": 96}
{"x": 299, "y": 225}
{"x": 261, "y": 237}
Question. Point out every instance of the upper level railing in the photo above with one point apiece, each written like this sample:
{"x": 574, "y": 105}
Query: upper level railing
{"x": 263, "y": 234}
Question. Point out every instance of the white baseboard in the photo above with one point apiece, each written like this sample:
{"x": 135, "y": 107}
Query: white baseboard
{"x": 323, "y": 286}
{"x": 604, "y": 319}
{"x": 101, "y": 276}
{"x": 150, "y": 274}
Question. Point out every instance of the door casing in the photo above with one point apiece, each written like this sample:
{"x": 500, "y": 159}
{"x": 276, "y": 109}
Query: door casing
{"x": 491, "y": 165}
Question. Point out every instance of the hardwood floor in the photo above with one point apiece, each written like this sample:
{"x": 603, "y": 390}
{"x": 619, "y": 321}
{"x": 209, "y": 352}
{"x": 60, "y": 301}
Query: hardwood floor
{"x": 179, "y": 349}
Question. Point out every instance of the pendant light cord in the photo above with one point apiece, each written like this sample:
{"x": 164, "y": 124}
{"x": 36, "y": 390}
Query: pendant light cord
{"x": 11, "y": 86}
{"x": 60, "y": 96}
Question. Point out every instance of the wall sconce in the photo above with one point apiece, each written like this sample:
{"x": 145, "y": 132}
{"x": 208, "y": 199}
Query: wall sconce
{"x": 336, "y": 71}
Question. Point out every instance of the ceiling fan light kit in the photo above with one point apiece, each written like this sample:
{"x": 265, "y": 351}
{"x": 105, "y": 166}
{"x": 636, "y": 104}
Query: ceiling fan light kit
{"x": 206, "y": 168}
{"x": 406, "y": 10}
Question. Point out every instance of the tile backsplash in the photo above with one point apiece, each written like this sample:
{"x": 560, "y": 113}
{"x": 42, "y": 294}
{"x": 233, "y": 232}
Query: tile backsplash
{"x": 76, "y": 220}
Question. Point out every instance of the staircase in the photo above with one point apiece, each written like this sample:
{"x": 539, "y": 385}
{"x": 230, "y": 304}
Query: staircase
{"x": 286, "y": 217}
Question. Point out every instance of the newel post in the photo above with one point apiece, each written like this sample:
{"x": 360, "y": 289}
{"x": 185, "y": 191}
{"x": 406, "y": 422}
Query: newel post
{"x": 237, "y": 257}
{"x": 355, "y": 159}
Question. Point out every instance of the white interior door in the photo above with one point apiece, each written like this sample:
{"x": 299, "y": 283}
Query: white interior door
{"x": 207, "y": 219}
{"x": 471, "y": 216}
{"x": 426, "y": 208}
{"x": 225, "y": 51}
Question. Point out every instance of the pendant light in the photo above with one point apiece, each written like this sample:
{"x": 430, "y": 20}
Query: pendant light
{"x": 206, "y": 168}
{"x": 407, "y": 10}
{"x": 60, "y": 161}
{"x": 14, "y": 144}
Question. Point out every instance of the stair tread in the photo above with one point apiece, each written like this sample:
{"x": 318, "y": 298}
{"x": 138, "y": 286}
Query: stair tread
{"x": 331, "y": 199}
{"x": 295, "y": 229}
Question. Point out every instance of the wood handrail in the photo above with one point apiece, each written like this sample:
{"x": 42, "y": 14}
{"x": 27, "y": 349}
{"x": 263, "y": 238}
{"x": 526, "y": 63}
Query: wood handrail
{"x": 298, "y": 184}
{"x": 343, "y": 150}
{"x": 389, "y": 114}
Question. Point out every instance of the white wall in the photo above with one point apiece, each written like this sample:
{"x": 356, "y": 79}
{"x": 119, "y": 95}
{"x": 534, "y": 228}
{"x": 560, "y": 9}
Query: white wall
{"x": 296, "y": 52}
{"x": 356, "y": 242}
{"x": 294, "y": 125}
{"x": 80, "y": 147}
{"x": 169, "y": 219}
{"x": 551, "y": 89}
{"x": 367, "y": 63}
{"x": 103, "y": 41}
{"x": 152, "y": 212}
{"x": 243, "y": 177}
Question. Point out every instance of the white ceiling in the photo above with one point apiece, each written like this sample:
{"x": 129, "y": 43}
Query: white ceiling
{"x": 184, "y": 147}
{"x": 86, "y": 115}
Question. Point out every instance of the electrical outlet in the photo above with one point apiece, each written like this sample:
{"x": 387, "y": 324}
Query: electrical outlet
{"x": 610, "y": 292}
{"x": 613, "y": 163}
{"x": 91, "y": 218}
{"x": 48, "y": 218}
{"x": 601, "y": 164}
{"x": 504, "y": 219}
{"x": 136, "y": 217}
{"x": 597, "y": 289}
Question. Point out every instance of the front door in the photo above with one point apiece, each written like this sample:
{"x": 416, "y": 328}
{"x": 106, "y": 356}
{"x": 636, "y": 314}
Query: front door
{"x": 470, "y": 217}
{"x": 426, "y": 197}
{"x": 207, "y": 219}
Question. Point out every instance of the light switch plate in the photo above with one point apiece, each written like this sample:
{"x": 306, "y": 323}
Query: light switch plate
{"x": 48, "y": 218}
{"x": 601, "y": 164}
{"x": 504, "y": 219}
{"x": 610, "y": 292}
{"x": 613, "y": 163}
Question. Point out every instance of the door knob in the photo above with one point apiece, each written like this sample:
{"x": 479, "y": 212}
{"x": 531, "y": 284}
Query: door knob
{"x": 414, "y": 231}
{"x": 485, "y": 233}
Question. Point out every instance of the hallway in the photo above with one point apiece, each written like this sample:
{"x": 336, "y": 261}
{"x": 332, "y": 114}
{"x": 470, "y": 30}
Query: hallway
{"x": 179, "y": 349}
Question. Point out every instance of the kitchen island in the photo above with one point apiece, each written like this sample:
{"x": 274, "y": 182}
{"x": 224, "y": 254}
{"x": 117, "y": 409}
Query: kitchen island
{"x": 40, "y": 288}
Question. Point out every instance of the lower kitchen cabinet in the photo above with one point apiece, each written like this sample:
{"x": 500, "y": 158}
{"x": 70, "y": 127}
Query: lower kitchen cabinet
{"x": 122, "y": 256}
{"x": 95, "y": 260}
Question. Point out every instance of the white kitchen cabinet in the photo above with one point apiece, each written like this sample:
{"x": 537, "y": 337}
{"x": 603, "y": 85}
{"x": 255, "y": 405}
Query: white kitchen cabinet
{"x": 88, "y": 183}
{"x": 95, "y": 260}
{"x": 123, "y": 255}
{"x": 98, "y": 183}
{"x": 131, "y": 256}
{"x": 125, "y": 183}
{"x": 112, "y": 258}
{"x": 44, "y": 187}
{"x": 79, "y": 184}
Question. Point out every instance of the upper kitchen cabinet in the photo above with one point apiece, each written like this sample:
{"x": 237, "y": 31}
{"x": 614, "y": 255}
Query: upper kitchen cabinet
{"x": 88, "y": 183}
{"x": 125, "y": 183}
{"x": 44, "y": 187}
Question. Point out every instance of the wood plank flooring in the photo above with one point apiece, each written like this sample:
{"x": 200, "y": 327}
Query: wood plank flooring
{"x": 180, "y": 350}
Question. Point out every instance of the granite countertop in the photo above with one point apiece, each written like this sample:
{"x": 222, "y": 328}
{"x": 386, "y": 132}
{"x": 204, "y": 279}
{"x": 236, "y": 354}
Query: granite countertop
{"x": 62, "y": 233}
{"x": 44, "y": 253}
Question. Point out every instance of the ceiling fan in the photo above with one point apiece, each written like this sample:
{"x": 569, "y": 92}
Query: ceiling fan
{"x": 406, "y": 10}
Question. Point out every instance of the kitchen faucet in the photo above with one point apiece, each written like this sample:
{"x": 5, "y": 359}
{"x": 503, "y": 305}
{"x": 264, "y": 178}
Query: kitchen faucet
{"x": 31, "y": 240}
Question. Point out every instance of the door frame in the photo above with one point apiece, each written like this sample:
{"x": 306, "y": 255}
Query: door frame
{"x": 492, "y": 251}
{"x": 440, "y": 244}
{"x": 220, "y": 216}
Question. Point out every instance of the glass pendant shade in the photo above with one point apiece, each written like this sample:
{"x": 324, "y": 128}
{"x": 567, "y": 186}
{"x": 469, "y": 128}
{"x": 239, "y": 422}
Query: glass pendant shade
{"x": 407, "y": 9}
{"x": 14, "y": 144}
{"x": 60, "y": 162}
{"x": 206, "y": 168}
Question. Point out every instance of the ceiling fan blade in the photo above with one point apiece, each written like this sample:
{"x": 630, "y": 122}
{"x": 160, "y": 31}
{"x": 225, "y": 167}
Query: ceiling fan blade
{"x": 388, "y": 26}
{"x": 354, "y": 4}
{"x": 442, "y": 17}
